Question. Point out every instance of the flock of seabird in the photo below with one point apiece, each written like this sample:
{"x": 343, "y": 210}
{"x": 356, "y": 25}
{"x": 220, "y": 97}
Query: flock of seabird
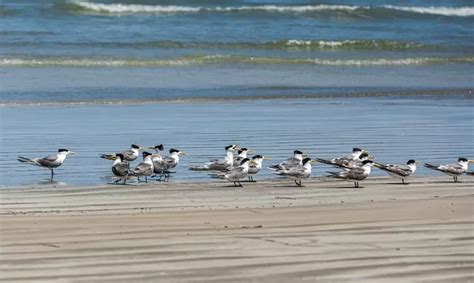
{"x": 236, "y": 166}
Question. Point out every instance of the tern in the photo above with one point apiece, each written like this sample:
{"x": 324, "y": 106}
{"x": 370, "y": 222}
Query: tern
{"x": 145, "y": 168}
{"x": 298, "y": 172}
{"x": 162, "y": 166}
{"x": 355, "y": 174}
{"x": 128, "y": 155}
{"x": 237, "y": 173}
{"x": 399, "y": 171}
{"x": 290, "y": 162}
{"x": 157, "y": 148}
{"x": 453, "y": 170}
{"x": 121, "y": 168}
{"x": 256, "y": 165}
{"x": 350, "y": 161}
{"x": 50, "y": 162}
{"x": 221, "y": 164}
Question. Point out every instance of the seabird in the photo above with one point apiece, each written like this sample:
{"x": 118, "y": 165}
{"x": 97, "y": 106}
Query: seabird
{"x": 157, "y": 148}
{"x": 241, "y": 155}
{"x": 453, "y": 170}
{"x": 237, "y": 173}
{"x": 290, "y": 162}
{"x": 354, "y": 174}
{"x": 162, "y": 166}
{"x": 121, "y": 168}
{"x": 128, "y": 155}
{"x": 50, "y": 162}
{"x": 298, "y": 171}
{"x": 399, "y": 171}
{"x": 145, "y": 168}
{"x": 350, "y": 161}
{"x": 221, "y": 164}
{"x": 255, "y": 166}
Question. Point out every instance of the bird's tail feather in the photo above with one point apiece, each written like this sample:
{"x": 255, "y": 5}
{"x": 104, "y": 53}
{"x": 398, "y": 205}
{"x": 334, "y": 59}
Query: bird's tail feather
{"x": 27, "y": 160}
{"x": 108, "y": 156}
{"x": 332, "y": 174}
{"x": 431, "y": 166}
{"x": 325, "y": 161}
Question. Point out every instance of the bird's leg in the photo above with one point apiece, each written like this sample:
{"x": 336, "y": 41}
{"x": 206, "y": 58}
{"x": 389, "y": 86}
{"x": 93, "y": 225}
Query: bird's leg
{"x": 235, "y": 184}
{"x": 118, "y": 180}
{"x": 124, "y": 180}
{"x": 240, "y": 185}
{"x": 356, "y": 185}
{"x": 52, "y": 174}
{"x": 403, "y": 181}
{"x": 146, "y": 179}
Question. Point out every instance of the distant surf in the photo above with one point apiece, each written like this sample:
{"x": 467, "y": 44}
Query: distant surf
{"x": 223, "y": 59}
{"x": 115, "y": 8}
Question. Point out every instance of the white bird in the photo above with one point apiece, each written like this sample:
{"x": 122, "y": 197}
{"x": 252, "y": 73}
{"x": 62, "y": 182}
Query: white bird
{"x": 221, "y": 164}
{"x": 121, "y": 168}
{"x": 352, "y": 160}
{"x": 256, "y": 165}
{"x": 355, "y": 174}
{"x": 145, "y": 168}
{"x": 237, "y": 173}
{"x": 290, "y": 162}
{"x": 50, "y": 162}
{"x": 128, "y": 155}
{"x": 453, "y": 170}
{"x": 298, "y": 172}
{"x": 162, "y": 166}
{"x": 399, "y": 171}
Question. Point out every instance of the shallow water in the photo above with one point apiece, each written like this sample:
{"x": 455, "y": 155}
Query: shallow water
{"x": 427, "y": 128}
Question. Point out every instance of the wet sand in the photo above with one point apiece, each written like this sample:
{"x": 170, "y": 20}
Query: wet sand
{"x": 270, "y": 231}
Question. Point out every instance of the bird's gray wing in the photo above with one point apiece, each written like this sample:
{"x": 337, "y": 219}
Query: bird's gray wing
{"x": 49, "y": 161}
{"x": 451, "y": 168}
{"x": 356, "y": 174}
{"x": 121, "y": 169}
{"x": 143, "y": 169}
{"x": 401, "y": 170}
{"x": 129, "y": 155}
{"x": 236, "y": 173}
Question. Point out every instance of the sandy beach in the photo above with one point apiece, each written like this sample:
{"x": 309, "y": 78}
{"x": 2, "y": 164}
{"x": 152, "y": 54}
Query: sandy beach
{"x": 265, "y": 232}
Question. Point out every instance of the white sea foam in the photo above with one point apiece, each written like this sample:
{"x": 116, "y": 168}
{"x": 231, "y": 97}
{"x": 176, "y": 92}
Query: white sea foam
{"x": 443, "y": 11}
{"x": 157, "y": 9}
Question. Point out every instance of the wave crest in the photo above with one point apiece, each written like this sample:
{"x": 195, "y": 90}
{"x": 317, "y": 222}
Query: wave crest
{"x": 91, "y": 7}
{"x": 226, "y": 59}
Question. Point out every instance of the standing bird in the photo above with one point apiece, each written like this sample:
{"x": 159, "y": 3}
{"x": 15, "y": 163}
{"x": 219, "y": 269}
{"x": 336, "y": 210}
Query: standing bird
{"x": 255, "y": 166}
{"x": 399, "y": 171}
{"x": 298, "y": 172}
{"x": 355, "y": 174}
{"x": 145, "y": 168}
{"x": 128, "y": 155}
{"x": 237, "y": 173}
{"x": 221, "y": 164}
{"x": 241, "y": 155}
{"x": 290, "y": 162}
{"x": 453, "y": 170}
{"x": 349, "y": 161}
{"x": 121, "y": 168}
{"x": 162, "y": 166}
{"x": 50, "y": 162}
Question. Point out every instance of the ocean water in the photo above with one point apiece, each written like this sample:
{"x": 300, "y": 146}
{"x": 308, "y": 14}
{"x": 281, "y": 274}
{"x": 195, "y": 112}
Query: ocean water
{"x": 323, "y": 76}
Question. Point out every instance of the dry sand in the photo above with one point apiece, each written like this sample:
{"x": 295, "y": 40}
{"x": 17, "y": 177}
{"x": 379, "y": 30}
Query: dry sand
{"x": 264, "y": 232}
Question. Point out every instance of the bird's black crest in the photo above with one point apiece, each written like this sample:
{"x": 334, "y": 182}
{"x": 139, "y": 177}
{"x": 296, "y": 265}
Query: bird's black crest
{"x": 258, "y": 156}
{"x": 367, "y": 161}
{"x": 411, "y": 161}
{"x": 119, "y": 155}
{"x": 145, "y": 154}
{"x": 173, "y": 150}
{"x": 135, "y": 146}
{"x": 63, "y": 150}
{"x": 229, "y": 147}
{"x": 244, "y": 160}
{"x": 297, "y": 152}
{"x": 306, "y": 160}
{"x": 462, "y": 159}
{"x": 356, "y": 149}
{"x": 159, "y": 147}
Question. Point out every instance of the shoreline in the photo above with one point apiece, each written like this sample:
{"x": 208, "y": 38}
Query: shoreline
{"x": 230, "y": 99}
{"x": 383, "y": 232}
